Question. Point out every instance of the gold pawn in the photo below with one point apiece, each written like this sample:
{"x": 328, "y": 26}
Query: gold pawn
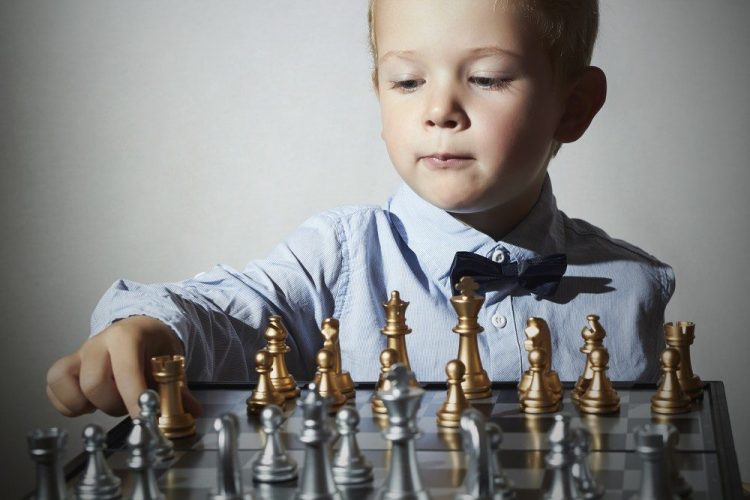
{"x": 265, "y": 393}
{"x": 327, "y": 384}
{"x": 388, "y": 358}
{"x": 282, "y": 380}
{"x": 169, "y": 373}
{"x": 669, "y": 398}
{"x": 476, "y": 383}
{"x": 330, "y": 331}
{"x": 600, "y": 397}
{"x": 681, "y": 336}
{"x": 449, "y": 414}
{"x": 593, "y": 336}
{"x": 539, "y": 398}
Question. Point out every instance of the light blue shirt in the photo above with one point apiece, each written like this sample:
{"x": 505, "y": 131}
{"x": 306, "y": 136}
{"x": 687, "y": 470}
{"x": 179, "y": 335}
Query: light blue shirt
{"x": 344, "y": 263}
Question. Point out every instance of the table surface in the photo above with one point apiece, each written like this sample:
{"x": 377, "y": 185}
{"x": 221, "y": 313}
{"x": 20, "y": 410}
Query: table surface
{"x": 705, "y": 452}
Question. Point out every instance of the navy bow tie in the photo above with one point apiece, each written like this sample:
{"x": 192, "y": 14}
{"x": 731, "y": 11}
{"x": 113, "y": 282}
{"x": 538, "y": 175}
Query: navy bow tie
{"x": 539, "y": 276}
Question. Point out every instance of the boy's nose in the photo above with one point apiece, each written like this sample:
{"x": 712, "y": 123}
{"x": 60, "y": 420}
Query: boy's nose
{"x": 444, "y": 111}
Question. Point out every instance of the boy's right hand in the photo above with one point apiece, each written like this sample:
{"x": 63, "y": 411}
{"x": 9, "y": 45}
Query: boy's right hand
{"x": 113, "y": 368}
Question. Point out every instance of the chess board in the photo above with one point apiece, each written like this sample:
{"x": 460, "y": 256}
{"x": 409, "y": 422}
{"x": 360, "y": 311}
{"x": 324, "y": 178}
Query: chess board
{"x": 705, "y": 453}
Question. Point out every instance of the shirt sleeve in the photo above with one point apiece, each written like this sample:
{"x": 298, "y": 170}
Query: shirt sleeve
{"x": 219, "y": 315}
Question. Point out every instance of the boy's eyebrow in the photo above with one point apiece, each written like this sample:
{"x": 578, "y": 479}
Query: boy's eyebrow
{"x": 474, "y": 52}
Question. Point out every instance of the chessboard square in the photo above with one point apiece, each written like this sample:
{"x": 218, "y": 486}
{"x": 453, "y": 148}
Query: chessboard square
{"x": 223, "y": 398}
{"x": 601, "y": 424}
{"x": 371, "y": 441}
{"x": 525, "y": 423}
{"x": 640, "y": 396}
{"x": 607, "y": 461}
{"x": 611, "y": 480}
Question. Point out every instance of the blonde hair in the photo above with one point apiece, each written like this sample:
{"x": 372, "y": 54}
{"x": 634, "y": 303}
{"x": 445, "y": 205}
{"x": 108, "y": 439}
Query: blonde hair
{"x": 568, "y": 29}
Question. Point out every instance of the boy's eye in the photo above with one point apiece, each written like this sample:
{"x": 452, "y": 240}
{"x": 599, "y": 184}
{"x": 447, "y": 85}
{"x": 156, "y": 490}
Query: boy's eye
{"x": 406, "y": 85}
{"x": 490, "y": 83}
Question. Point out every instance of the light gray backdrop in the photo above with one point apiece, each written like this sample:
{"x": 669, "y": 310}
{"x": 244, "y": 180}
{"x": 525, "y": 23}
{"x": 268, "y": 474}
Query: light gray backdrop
{"x": 152, "y": 140}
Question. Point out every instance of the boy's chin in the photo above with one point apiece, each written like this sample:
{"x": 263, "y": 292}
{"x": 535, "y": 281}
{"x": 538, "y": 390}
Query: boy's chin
{"x": 453, "y": 202}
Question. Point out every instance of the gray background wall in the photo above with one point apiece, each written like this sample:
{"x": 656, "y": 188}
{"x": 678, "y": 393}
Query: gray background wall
{"x": 152, "y": 140}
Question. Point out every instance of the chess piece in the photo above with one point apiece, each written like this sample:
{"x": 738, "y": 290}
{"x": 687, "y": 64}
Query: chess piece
{"x": 655, "y": 480}
{"x": 141, "y": 443}
{"x": 600, "y": 397}
{"x": 97, "y": 482}
{"x": 402, "y": 401}
{"x": 316, "y": 479}
{"x": 479, "y": 480}
{"x": 282, "y": 380}
{"x": 680, "y": 336}
{"x": 670, "y": 436}
{"x": 590, "y": 489}
{"x": 169, "y": 373}
{"x": 326, "y": 381}
{"x": 669, "y": 398}
{"x": 272, "y": 464}
{"x": 265, "y": 393}
{"x": 539, "y": 398}
{"x": 349, "y": 464}
{"x": 228, "y": 475}
{"x": 46, "y": 447}
{"x": 395, "y": 328}
{"x": 503, "y": 487}
{"x": 330, "y": 331}
{"x": 559, "y": 483}
{"x": 476, "y": 383}
{"x": 593, "y": 336}
{"x": 538, "y": 337}
{"x": 148, "y": 402}
{"x": 387, "y": 359}
{"x": 449, "y": 414}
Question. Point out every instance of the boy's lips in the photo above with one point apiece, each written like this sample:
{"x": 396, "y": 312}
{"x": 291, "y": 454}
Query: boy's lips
{"x": 438, "y": 161}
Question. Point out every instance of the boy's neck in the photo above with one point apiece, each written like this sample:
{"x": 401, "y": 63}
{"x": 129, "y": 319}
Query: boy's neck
{"x": 500, "y": 220}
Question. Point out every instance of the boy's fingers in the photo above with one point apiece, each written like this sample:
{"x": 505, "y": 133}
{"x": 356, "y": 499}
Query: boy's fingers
{"x": 96, "y": 380}
{"x": 63, "y": 387}
{"x": 127, "y": 369}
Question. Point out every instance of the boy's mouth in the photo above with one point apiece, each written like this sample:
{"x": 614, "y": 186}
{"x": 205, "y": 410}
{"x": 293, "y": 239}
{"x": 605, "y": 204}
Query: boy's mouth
{"x": 446, "y": 160}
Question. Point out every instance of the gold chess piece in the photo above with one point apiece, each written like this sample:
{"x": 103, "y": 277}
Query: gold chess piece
{"x": 600, "y": 397}
{"x": 449, "y": 414}
{"x": 538, "y": 337}
{"x": 330, "y": 331}
{"x": 169, "y": 373}
{"x": 282, "y": 380}
{"x": 680, "y": 336}
{"x": 539, "y": 398}
{"x": 593, "y": 337}
{"x": 395, "y": 328}
{"x": 670, "y": 398}
{"x": 388, "y": 358}
{"x": 265, "y": 393}
{"x": 327, "y": 384}
{"x": 476, "y": 383}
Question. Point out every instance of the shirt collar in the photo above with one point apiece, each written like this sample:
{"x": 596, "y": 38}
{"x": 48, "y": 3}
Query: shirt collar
{"x": 435, "y": 236}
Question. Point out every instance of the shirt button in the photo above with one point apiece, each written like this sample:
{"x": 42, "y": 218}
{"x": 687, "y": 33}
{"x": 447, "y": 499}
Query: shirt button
{"x": 498, "y": 255}
{"x": 499, "y": 320}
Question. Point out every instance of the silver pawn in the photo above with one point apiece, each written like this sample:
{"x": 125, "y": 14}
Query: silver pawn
{"x": 559, "y": 481}
{"x": 272, "y": 464}
{"x": 590, "y": 489}
{"x": 228, "y": 476}
{"x": 97, "y": 482}
{"x": 148, "y": 402}
{"x": 142, "y": 443}
{"x": 46, "y": 447}
{"x": 503, "y": 486}
{"x": 478, "y": 482}
{"x": 316, "y": 479}
{"x": 349, "y": 464}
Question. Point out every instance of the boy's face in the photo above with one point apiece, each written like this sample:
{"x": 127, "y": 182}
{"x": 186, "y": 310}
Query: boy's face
{"x": 462, "y": 78}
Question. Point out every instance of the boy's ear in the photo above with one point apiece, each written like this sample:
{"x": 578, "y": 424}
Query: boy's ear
{"x": 585, "y": 98}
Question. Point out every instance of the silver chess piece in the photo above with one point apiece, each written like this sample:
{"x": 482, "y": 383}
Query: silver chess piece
{"x": 349, "y": 464}
{"x": 402, "y": 402}
{"x": 503, "y": 486}
{"x": 148, "y": 403}
{"x": 228, "y": 476}
{"x": 272, "y": 464}
{"x": 46, "y": 447}
{"x": 316, "y": 479}
{"x": 478, "y": 483}
{"x": 590, "y": 489}
{"x": 654, "y": 460}
{"x": 559, "y": 483}
{"x": 97, "y": 482}
{"x": 142, "y": 443}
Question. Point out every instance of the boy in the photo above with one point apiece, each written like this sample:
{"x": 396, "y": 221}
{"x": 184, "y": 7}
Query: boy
{"x": 476, "y": 96}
